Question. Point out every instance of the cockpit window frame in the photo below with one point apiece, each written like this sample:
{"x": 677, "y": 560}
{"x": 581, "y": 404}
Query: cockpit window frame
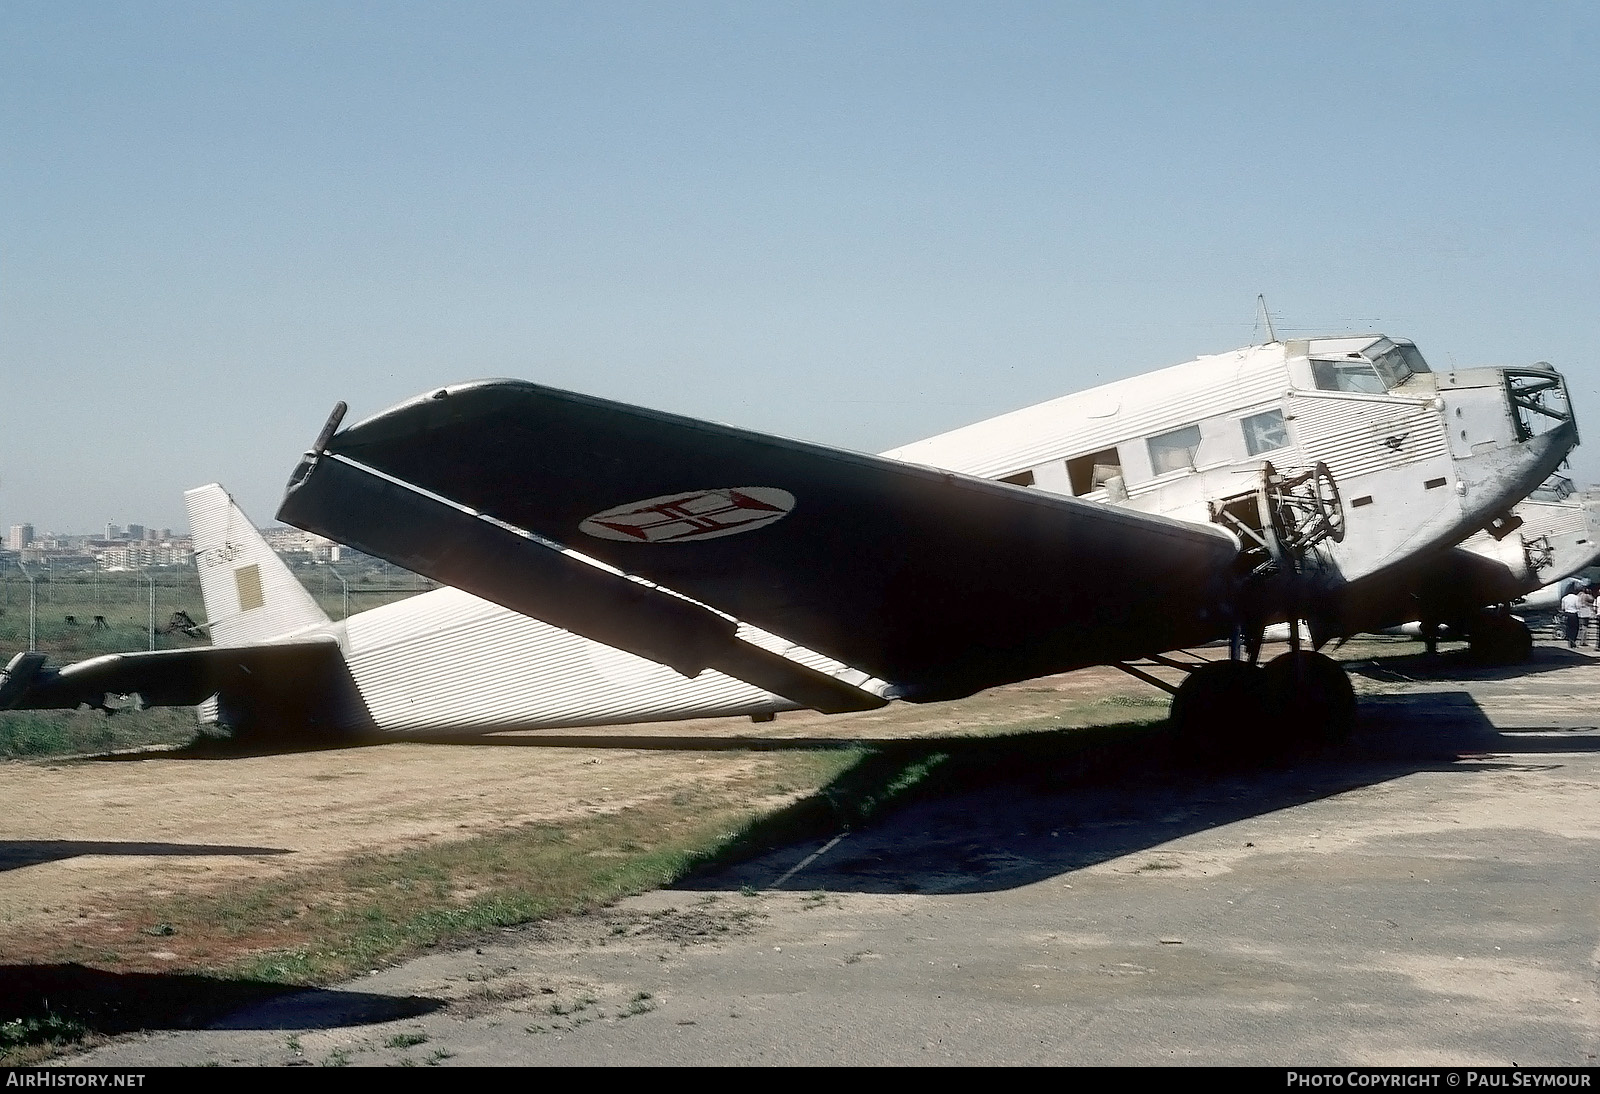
{"x": 1394, "y": 364}
{"x": 1326, "y": 370}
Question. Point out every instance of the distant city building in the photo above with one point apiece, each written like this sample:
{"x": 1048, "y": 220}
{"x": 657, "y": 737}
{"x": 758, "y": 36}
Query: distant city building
{"x": 292, "y": 541}
{"x": 137, "y": 556}
{"x": 20, "y": 537}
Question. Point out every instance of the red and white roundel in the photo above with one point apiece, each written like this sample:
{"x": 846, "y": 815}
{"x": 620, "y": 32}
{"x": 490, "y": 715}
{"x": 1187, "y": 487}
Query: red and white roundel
{"x": 693, "y": 515}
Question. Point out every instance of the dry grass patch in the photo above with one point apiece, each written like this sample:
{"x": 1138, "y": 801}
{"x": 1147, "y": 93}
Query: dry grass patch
{"x": 325, "y": 924}
{"x": 33, "y": 734}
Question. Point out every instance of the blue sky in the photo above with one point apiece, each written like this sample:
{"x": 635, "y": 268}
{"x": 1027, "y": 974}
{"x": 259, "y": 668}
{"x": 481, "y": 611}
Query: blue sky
{"x": 857, "y": 223}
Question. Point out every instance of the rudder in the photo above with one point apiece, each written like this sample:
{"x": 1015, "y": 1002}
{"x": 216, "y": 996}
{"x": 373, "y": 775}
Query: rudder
{"x": 250, "y": 595}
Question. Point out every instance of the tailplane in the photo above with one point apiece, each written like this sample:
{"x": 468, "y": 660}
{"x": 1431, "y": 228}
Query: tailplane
{"x": 249, "y": 593}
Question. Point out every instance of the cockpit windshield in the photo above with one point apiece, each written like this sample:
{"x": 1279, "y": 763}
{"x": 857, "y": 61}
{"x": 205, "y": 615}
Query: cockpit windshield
{"x": 1396, "y": 362}
{"x": 1352, "y": 375}
{"x": 1382, "y": 366}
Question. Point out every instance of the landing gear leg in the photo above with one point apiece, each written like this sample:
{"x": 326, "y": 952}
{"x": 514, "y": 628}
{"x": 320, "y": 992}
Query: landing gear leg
{"x": 1430, "y": 636}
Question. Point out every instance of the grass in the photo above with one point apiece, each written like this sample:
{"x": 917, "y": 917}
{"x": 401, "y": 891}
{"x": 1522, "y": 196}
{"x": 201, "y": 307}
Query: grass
{"x": 123, "y": 599}
{"x": 325, "y": 925}
{"x": 28, "y": 1040}
{"x": 35, "y": 734}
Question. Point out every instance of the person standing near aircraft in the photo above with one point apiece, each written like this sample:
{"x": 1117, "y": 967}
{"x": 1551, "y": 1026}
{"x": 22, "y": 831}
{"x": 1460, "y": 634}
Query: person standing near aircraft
{"x": 1569, "y": 616}
{"x": 1585, "y": 614}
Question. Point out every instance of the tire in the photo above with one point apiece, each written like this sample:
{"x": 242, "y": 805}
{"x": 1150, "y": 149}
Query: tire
{"x": 1500, "y": 640}
{"x": 1311, "y": 696}
{"x": 1218, "y": 712}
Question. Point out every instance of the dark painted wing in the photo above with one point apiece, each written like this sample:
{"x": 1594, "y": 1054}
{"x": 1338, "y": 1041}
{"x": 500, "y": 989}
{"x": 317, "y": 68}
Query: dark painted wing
{"x": 940, "y": 583}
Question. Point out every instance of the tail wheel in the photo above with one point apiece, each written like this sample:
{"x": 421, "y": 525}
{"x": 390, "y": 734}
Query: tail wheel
{"x": 1311, "y": 696}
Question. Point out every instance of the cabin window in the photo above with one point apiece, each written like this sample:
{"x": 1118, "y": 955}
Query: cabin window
{"x": 1353, "y": 375}
{"x": 1264, "y": 432}
{"x": 1021, "y": 478}
{"x": 1089, "y": 473}
{"x": 1174, "y": 451}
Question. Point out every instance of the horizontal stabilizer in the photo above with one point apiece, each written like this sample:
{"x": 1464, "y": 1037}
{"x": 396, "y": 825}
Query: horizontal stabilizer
{"x": 168, "y": 677}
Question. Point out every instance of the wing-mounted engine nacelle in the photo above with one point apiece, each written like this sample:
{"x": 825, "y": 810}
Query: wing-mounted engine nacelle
{"x": 1285, "y": 524}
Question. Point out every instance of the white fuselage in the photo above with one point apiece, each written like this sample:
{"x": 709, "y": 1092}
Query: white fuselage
{"x": 446, "y": 661}
{"x": 1422, "y": 460}
{"x": 1555, "y": 539}
{"x": 449, "y": 661}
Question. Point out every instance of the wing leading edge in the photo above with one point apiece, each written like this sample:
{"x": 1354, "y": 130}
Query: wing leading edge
{"x": 940, "y": 583}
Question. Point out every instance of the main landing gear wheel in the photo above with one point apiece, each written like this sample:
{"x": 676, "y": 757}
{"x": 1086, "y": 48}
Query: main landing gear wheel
{"x": 1500, "y": 640}
{"x": 1219, "y": 710}
{"x": 1310, "y": 697}
{"x": 1232, "y": 710}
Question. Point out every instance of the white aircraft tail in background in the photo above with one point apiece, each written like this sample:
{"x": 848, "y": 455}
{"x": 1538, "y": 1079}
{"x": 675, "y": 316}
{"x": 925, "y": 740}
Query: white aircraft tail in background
{"x": 250, "y": 595}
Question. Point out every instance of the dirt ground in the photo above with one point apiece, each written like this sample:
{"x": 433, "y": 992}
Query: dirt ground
{"x": 82, "y": 835}
{"x": 1423, "y": 894}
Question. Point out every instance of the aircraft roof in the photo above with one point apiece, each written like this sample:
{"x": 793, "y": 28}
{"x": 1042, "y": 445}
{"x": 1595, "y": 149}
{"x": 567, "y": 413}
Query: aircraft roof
{"x": 1101, "y": 416}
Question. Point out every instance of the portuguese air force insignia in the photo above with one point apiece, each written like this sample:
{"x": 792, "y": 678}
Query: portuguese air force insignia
{"x": 695, "y": 515}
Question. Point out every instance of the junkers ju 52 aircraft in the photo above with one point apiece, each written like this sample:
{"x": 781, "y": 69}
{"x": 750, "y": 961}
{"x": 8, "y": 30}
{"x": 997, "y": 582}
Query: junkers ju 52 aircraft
{"x": 1205, "y": 501}
{"x": 1202, "y": 502}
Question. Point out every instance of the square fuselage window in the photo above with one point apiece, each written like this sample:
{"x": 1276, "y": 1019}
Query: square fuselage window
{"x": 1175, "y": 450}
{"x": 1265, "y": 432}
{"x": 1089, "y": 473}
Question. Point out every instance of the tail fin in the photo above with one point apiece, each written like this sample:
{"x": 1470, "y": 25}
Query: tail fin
{"x": 250, "y": 595}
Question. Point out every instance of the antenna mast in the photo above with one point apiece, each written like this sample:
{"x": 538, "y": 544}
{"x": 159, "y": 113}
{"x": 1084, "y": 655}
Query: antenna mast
{"x": 1265, "y": 317}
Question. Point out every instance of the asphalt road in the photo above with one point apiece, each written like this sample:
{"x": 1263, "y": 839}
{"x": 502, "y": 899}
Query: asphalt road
{"x": 1427, "y": 894}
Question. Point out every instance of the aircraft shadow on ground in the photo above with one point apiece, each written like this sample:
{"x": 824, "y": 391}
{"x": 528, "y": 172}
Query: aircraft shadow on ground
{"x": 1003, "y": 813}
{"x": 224, "y": 748}
{"x": 15, "y": 854}
{"x": 111, "y": 1002}
{"x": 1459, "y": 665}
{"x": 212, "y": 748}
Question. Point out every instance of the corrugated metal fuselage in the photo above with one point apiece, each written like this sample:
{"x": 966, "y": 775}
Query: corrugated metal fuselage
{"x": 448, "y": 662}
{"x": 1421, "y": 464}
